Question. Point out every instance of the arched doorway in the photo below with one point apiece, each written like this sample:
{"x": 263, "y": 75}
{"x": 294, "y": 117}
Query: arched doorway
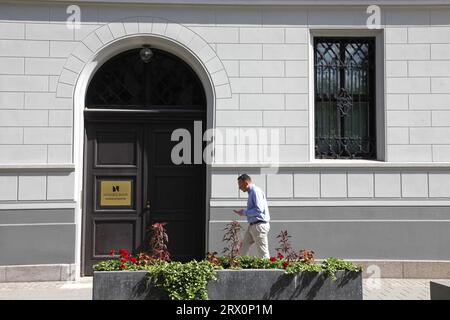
{"x": 130, "y": 180}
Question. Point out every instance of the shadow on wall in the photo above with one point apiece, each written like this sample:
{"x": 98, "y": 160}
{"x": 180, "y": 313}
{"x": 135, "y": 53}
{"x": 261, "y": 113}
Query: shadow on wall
{"x": 311, "y": 286}
{"x": 144, "y": 290}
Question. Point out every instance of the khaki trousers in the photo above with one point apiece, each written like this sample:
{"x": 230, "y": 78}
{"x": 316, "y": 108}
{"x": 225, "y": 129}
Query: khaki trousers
{"x": 257, "y": 234}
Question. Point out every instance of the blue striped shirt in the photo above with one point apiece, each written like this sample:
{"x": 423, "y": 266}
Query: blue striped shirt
{"x": 257, "y": 208}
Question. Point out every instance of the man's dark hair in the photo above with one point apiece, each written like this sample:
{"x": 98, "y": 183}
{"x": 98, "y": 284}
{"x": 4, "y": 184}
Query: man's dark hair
{"x": 245, "y": 177}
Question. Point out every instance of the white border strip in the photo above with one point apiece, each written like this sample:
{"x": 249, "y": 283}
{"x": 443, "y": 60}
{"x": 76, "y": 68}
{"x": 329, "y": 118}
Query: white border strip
{"x": 36, "y": 167}
{"x": 37, "y": 224}
{"x": 350, "y": 164}
{"x": 346, "y": 221}
{"x": 266, "y": 2}
{"x": 37, "y": 205}
{"x": 336, "y": 203}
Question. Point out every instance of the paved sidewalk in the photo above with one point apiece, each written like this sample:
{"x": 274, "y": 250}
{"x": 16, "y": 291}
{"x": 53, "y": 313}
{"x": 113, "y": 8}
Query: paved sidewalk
{"x": 396, "y": 289}
{"x": 55, "y": 290}
{"x": 373, "y": 289}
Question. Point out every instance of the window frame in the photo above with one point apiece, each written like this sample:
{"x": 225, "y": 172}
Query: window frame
{"x": 380, "y": 110}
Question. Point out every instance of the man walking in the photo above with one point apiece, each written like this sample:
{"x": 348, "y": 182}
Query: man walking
{"x": 258, "y": 217}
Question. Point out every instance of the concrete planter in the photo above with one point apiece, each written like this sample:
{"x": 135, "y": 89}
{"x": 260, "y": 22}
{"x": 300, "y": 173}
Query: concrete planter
{"x": 237, "y": 285}
{"x": 440, "y": 290}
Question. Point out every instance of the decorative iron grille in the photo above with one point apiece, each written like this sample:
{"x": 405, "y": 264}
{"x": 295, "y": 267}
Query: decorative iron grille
{"x": 345, "y": 98}
{"x": 127, "y": 82}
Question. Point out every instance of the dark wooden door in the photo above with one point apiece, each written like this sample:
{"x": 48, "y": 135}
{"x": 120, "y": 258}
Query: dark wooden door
{"x": 139, "y": 154}
{"x": 176, "y": 193}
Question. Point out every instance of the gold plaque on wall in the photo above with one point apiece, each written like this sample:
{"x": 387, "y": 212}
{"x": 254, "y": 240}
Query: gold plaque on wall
{"x": 115, "y": 193}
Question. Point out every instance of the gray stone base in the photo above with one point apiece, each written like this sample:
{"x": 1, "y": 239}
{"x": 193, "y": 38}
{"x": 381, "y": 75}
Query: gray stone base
{"x": 237, "y": 285}
{"x": 40, "y": 272}
{"x": 276, "y": 285}
{"x": 404, "y": 269}
{"x": 440, "y": 290}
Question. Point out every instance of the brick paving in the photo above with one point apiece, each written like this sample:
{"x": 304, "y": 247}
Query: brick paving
{"x": 396, "y": 289}
{"x": 55, "y": 290}
{"x": 373, "y": 289}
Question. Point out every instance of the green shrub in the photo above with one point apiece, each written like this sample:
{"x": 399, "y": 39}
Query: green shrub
{"x": 296, "y": 267}
{"x": 247, "y": 262}
{"x": 108, "y": 265}
{"x": 331, "y": 265}
{"x": 183, "y": 281}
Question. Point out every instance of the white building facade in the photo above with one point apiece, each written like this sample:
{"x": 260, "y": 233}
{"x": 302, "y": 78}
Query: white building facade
{"x": 262, "y": 67}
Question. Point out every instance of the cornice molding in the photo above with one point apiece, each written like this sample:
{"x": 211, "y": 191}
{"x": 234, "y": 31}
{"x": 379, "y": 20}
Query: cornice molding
{"x": 256, "y": 2}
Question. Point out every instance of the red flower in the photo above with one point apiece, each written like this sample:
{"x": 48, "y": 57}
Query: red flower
{"x": 134, "y": 260}
{"x": 273, "y": 259}
{"x": 122, "y": 267}
{"x": 124, "y": 252}
{"x": 112, "y": 252}
{"x": 280, "y": 256}
{"x": 159, "y": 225}
{"x": 123, "y": 260}
{"x": 285, "y": 264}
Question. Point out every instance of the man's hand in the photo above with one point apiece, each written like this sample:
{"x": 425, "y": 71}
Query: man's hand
{"x": 239, "y": 212}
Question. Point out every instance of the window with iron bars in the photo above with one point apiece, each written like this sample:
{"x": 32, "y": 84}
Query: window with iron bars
{"x": 344, "y": 70}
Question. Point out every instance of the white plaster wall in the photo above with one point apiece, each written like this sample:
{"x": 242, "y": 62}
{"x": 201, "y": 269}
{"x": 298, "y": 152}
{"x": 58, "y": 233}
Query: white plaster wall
{"x": 264, "y": 83}
{"x": 340, "y": 184}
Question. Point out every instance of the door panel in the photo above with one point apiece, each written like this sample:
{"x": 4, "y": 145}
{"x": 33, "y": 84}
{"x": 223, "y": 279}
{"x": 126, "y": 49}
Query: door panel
{"x": 113, "y": 157}
{"x": 168, "y": 201}
{"x": 108, "y": 144}
{"x": 113, "y": 234}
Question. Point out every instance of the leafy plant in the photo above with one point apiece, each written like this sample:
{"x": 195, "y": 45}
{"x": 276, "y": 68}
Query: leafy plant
{"x": 233, "y": 239}
{"x": 158, "y": 242}
{"x": 298, "y": 266}
{"x": 248, "y": 262}
{"x": 183, "y": 281}
{"x": 144, "y": 259}
{"x": 307, "y": 256}
{"x": 331, "y": 265}
{"x": 107, "y": 265}
{"x": 125, "y": 261}
{"x": 285, "y": 246}
{"x": 213, "y": 258}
